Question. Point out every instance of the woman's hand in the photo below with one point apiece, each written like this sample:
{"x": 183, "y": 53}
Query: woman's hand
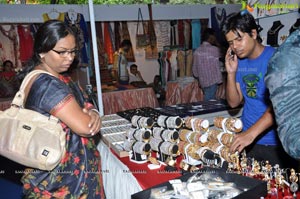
{"x": 95, "y": 122}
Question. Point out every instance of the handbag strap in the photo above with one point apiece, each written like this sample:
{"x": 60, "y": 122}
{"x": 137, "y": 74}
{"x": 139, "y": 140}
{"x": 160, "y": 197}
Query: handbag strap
{"x": 20, "y": 95}
{"x": 140, "y": 16}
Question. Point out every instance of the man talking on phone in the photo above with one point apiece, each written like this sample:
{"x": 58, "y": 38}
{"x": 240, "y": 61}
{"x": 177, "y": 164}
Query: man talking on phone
{"x": 246, "y": 64}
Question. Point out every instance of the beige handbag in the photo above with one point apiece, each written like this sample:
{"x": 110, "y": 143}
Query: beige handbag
{"x": 142, "y": 39}
{"x": 28, "y": 137}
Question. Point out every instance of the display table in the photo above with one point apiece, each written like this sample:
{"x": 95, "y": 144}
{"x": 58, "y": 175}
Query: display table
{"x": 122, "y": 178}
{"x": 183, "y": 91}
{"x": 116, "y": 101}
{"x": 5, "y": 103}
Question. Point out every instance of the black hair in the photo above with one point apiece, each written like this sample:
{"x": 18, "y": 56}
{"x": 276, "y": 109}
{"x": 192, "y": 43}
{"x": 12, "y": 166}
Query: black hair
{"x": 125, "y": 42}
{"x": 241, "y": 21}
{"x": 207, "y": 33}
{"x": 133, "y": 65}
{"x": 45, "y": 39}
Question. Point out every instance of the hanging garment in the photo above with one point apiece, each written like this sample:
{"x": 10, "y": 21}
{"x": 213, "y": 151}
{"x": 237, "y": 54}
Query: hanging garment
{"x": 187, "y": 34}
{"x": 218, "y": 17}
{"x": 173, "y": 63}
{"x": 181, "y": 62}
{"x": 180, "y": 28}
{"x": 125, "y": 35}
{"x": 189, "y": 63}
{"x": 151, "y": 50}
{"x": 196, "y": 33}
{"x": 162, "y": 30}
{"x": 102, "y": 55}
{"x": 117, "y": 34}
{"x": 173, "y": 33}
{"x": 25, "y": 43}
{"x": 9, "y": 45}
{"x": 108, "y": 46}
{"x": 162, "y": 67}
{"x": 168, "y": 63}
{"x": 80, "y": 28}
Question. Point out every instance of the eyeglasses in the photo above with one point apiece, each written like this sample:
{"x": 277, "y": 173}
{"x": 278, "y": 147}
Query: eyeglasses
{"x": 66, "y": 53}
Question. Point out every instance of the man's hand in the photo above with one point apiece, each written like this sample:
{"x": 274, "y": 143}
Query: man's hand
{"x": 231, "y": 62}
{"x": 240, "y": 141}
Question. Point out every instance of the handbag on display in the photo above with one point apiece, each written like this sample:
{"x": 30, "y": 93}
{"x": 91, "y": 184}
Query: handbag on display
{"x": 29, "y": 137}
{"x": 151, "y": 51}
{"x": 142, "y": 39}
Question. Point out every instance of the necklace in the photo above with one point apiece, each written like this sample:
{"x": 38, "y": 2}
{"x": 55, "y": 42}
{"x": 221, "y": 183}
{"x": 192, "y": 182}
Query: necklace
{"x": 276, "y": 29}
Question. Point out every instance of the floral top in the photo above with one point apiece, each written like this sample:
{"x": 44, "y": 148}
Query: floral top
{"x": 78, "y": 175}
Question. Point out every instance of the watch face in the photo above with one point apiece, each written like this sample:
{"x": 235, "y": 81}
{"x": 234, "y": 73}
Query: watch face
{"x": 294, "y": 187}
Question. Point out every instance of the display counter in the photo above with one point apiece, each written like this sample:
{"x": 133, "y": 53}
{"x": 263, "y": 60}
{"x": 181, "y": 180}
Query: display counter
{"x": 122, "y": 100}
{"x": 125, "y": 176}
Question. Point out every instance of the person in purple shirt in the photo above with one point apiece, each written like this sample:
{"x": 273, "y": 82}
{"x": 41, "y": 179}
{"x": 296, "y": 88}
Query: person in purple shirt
{"x": 206, "y": 64}
{"x": 246, "y": 64}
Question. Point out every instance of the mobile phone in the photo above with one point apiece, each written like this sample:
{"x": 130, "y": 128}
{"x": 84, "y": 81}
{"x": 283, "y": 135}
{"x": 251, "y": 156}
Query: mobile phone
{"x": 231, "y": 53}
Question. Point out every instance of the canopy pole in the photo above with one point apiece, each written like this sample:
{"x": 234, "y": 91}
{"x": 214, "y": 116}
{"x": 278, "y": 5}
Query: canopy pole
{"x": 96, "y": 60}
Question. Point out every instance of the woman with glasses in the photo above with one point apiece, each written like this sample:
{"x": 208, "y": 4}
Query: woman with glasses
{"x": 78, "y": 175}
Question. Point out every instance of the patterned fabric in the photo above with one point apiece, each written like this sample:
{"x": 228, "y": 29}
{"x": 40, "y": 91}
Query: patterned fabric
{"x": 25, "y": 42}
{"x": 9, "y": 45}
{"x": 282, "y": 80}
{"x": 196, "y": 33}
{"x": 79, "y": 27}
{"x": 206, "y": 65}
{"x": 250, "y": 76}
{"x": 78, "y": 175}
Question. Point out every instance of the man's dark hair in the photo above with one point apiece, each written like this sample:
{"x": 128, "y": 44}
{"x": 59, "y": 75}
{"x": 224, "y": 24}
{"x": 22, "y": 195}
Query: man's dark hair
{"x": 126, "y": 42}
{"x": 207, "y": 33}
{"x": 133, "y": 66}
{"x": 243, "y": 22}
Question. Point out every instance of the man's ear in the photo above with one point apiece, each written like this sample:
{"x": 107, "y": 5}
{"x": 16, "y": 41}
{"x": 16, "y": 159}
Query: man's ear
{"x": 254, "y": 34}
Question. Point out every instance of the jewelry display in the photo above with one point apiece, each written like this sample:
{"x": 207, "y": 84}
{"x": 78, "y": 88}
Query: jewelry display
{"x": 165, "y": 134}
{"x": 127, "y": 145}
{"x": 155, "y": 143}
{"x": 169, "y": 148}
{"x": 141, "y": 148}
{"x": 142, "y": 122}
{"x": 229, "y": 124}
{"x": 201, "y": 146}
{"x": 196, "y": 124}
{"x": 295, "y": 26}
{"x": 139, "y": 134}
{"x": 173, "y": 122}
{"x": 191, "y": 137}
{"x": 272, "y": 38}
